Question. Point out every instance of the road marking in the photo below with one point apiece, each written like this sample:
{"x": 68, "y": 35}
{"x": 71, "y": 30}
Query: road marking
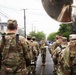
{"x": 41, "y": 70}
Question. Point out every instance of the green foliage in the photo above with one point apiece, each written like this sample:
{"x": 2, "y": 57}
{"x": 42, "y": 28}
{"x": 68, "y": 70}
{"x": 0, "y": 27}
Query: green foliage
{"x": 67, "y": 29}
{"x": 33, "y": 33}
{"x": 73, "y": 28}
{"x": 38, "y": 35}
{"x": 51, "y": 36}
{"x": 64, "y": 30}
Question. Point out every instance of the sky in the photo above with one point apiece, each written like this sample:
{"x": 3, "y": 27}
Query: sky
{"x": 36, "y": 17}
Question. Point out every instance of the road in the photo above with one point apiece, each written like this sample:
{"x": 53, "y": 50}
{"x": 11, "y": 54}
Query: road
{"x": 48, "y": 68}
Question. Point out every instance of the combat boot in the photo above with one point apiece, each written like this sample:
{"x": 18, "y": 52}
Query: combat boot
{"x": 43, "y": 64}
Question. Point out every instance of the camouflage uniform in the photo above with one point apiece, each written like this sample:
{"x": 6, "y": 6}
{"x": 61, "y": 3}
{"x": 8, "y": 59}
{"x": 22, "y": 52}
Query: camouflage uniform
{"x": 55, "y": 44}
{"x": 32, "y": 52}
{"x": 36, "y": 47}
{"x": 59, "y": 51}
{"x": 18, "y": 52}
{"x": 53, "y": 54}
{"x": 29, "y": 43}
{"x": 43, "y": 51}
{"x": 60, "y": 60}
{"x": 55, "y": 50}
{"x": 69, "y": 57}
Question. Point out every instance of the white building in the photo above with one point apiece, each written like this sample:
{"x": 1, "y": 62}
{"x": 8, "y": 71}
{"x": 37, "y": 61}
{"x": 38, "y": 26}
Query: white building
{"x": 3, "y": 27}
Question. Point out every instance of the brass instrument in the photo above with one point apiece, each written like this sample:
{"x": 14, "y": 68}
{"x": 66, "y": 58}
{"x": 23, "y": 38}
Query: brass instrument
{"x": 60, "y": 10}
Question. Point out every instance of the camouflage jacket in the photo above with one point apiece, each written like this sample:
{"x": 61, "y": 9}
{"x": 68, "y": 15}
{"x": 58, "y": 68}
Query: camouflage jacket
{"x": 69, "y": 55}
{"x": 36, "y": 46}
{"x": 14, "y": 58}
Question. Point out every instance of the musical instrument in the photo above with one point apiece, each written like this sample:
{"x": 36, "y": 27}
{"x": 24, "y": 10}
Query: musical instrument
{"x": 60, "y": 10}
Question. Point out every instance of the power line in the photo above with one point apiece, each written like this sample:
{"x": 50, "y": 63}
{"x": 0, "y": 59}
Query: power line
{"x": 1, "y": 6}
{"x": 4, "y": 15}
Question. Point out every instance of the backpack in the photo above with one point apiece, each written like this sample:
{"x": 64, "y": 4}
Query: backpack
{"x": 72, "y": 57}
{"x": 12, "y": 52}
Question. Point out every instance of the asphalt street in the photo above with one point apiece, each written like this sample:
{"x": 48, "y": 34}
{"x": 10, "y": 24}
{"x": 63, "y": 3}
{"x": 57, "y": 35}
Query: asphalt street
{"x": 48, "y": 68}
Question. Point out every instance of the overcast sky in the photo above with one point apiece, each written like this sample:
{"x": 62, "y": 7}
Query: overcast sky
{"x": 36, "y": 17}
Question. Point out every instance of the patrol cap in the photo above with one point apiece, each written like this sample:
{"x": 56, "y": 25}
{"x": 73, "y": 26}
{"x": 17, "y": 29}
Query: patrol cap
{"x": 72, "y": 36}
{"x": 64, "y": 38}
{"x": 58, "y": 37}
{"x": 12, "y": 21}
{"x": 33, "y": 37}
{"x": 28, "y": 36}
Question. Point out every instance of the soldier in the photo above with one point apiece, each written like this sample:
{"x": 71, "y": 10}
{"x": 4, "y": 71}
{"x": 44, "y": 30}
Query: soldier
{"x": 36, "y": 47}
{"x": 35, "y": 50}
{"x": 69, "y": 57}
{"x": 52, "y": 50}
{"x": 32, "y": 53}
{"x": 43, "y": 51}
{"x": 55, "y": 44}
{"x": 58, "y": 53}
{"x": 28, "y": 41}
{"x": 13, "y": 50}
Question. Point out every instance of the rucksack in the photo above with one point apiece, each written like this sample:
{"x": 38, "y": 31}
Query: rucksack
{"x": 12, "y": 52}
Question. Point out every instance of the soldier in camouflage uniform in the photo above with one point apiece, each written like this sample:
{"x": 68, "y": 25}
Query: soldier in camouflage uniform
{"x": 36, "y": 50}
{"x": 32, "y": 53}
{"x": 14, "y": 52}
{"x": 58, "y": 53}
{"x": 36, "y": 47}
{"x": 69, "y": 57}
{"x": 52, "y": 50}
{"x": 43, "y": 51}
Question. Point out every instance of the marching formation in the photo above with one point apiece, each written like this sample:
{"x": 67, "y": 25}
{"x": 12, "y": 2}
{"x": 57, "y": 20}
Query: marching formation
{"x": 63, "y": 54}
{"x": 18, "y": 55}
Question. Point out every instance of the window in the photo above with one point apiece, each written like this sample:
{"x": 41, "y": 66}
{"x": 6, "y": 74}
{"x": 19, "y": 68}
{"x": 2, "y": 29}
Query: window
{"x": 2, "y": 28}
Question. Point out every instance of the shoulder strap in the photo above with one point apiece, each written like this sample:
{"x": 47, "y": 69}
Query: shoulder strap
{"x": 17, "y": 38}
{"x": 62, "y": 47}
{"x": 3, "y": 38}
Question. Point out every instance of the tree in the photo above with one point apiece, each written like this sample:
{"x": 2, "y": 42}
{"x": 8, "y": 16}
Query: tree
{"x": 32, "y": 33}
{"x": 73, "y": 27}
{"x": 65, "y": 30}
{"x": 52, "y": 36}
{"x": 38, "y": 35}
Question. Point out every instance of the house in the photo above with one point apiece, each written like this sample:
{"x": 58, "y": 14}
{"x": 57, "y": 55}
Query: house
{"x": 3, "y": 27}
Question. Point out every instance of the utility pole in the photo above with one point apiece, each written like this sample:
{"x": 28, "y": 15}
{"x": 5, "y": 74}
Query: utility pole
{"x": 24, "y": 23}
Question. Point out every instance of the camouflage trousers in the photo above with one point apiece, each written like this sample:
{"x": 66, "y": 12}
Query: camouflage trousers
{"x": 43, "y": 55}
{"x": 31, "y": 69}
{"x": 9, "y": 71}
{"x": 70, "y": 71}
{"x": 60, "y": 70}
